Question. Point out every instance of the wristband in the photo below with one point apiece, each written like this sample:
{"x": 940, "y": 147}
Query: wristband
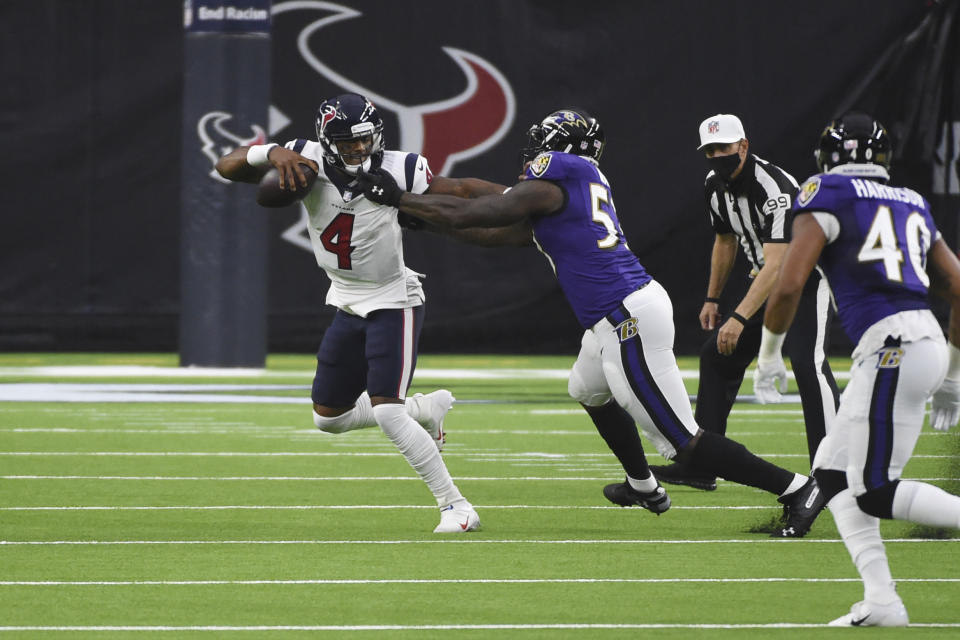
{"x": 259, "y": 154}
{"x": 770, "y": 345}
{"x": 713, "y": 300}
{"x": 739, "y": 318}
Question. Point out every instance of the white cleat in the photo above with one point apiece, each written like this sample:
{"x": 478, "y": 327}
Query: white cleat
{"x": 871, "y": 614}
{"x": 433, "y": 409}
{"x": 458, "y": 517}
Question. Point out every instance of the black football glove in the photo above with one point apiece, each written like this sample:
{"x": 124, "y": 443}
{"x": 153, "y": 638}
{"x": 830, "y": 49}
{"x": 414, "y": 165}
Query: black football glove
{"x": 379, "y": 186}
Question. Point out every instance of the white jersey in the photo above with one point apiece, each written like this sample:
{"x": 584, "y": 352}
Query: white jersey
{"x": 358, "y": 242}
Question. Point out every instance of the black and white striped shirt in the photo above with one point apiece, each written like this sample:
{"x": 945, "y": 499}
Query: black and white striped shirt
{"x": 756, "y": 206}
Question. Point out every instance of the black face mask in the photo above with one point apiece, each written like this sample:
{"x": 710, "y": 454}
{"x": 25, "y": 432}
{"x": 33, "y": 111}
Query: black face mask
{"x": 724, "y": 166}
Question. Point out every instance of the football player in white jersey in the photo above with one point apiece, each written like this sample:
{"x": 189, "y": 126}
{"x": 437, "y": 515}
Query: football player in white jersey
{"x": 368, "y": 354}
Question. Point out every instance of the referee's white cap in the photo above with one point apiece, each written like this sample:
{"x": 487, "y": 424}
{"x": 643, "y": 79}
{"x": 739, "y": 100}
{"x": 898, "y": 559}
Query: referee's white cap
{"x": 722, "y": 128}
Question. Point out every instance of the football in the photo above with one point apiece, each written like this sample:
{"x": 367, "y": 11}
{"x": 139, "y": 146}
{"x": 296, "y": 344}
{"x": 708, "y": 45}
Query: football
{"x": 269, "y": 193}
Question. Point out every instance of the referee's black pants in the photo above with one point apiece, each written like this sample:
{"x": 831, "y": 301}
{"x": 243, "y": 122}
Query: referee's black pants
{"x": 805, "y": 345}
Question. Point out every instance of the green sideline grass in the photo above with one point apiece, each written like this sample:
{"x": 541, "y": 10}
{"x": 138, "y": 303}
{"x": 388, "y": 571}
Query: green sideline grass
{"x": 226, "y": 519}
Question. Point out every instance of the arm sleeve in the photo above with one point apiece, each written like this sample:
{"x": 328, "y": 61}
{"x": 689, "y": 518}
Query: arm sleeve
{"x": 829, "y": 223}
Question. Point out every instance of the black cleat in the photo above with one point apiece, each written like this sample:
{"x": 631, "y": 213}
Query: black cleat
{"x": 800, "y": 509}
{"x": 676, "y": 473}
{"x": 621, "y": 493}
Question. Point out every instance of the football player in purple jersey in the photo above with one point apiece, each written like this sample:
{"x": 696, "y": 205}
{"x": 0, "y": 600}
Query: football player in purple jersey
{"x": 881, "y": 253}
{"x": 626, "y": 373}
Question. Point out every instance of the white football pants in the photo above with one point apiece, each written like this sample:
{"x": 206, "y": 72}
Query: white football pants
{"x": 881, "y": 413}
{"x": 629, "y": 355}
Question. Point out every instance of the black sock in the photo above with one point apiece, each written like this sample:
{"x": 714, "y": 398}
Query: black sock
{"x": 619, "y": 431}
{"x": 830, "y": 482}
{"x": 733, "y": 461}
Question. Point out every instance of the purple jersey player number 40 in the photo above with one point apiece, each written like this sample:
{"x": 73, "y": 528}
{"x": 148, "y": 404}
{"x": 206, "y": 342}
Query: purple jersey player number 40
{"x": 881, "y": 253}
{"x": 888, "y": 230}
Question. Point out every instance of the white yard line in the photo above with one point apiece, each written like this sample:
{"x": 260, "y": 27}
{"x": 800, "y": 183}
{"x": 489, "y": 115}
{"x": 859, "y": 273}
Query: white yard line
{"x": 604, "y": 478}
{"x": 357, "y": 507}
{"x": 131, "y": 583}
{"x": 121, "y": 371}
{"x": 71, "y": 392}
{"x": 529, "y": 455}
{"x": 189, "y": 393}
{"x": 285, "y": 432}
{"x": 51, "y": 393}
{"x": 449, "y": 627}
{"x": 137, "y": 371}
{"x": 462, "y": 539}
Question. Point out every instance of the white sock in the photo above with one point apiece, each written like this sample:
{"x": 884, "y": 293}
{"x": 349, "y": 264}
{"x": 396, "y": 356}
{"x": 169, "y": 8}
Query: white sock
{"x": 360, "y": 417}
{"x": 795, "y": 485}
{"x": 926, "y": 504}
{"x": 418, "y": 448}
{"x": 643, "y": 486}
{"x": 861, "y": 535}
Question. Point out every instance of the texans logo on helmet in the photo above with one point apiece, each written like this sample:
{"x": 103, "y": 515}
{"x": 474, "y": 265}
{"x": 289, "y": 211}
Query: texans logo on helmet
{"x": 330, "y": 113}
{"x": 446, "y": 132}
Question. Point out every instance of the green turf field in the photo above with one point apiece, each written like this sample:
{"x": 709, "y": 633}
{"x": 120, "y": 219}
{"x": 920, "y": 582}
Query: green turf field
{"x": 204, "y": 504}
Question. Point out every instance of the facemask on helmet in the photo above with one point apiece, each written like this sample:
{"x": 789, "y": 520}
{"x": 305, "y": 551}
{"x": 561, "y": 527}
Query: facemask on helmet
{"x": 350, "y": 132}
{"x": 570, "y": 131}
{"x": 856, "y": 138}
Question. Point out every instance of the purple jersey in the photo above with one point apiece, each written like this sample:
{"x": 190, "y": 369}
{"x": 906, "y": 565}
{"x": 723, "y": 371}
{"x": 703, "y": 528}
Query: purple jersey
{"x": 583, "y": 240}
{"x": 876, "y": 255}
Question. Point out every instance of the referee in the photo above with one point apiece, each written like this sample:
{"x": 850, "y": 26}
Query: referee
{"x": 749, "y": 202}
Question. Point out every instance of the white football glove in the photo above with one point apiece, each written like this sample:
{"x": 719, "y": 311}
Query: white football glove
{"x": 767, "y": 375}
{"x": 945, "y": 409}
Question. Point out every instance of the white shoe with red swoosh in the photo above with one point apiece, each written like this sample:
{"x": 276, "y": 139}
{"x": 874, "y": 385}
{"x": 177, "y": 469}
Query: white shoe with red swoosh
{"x": 871, "y": 614}
{"x": 458, "y": 517}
